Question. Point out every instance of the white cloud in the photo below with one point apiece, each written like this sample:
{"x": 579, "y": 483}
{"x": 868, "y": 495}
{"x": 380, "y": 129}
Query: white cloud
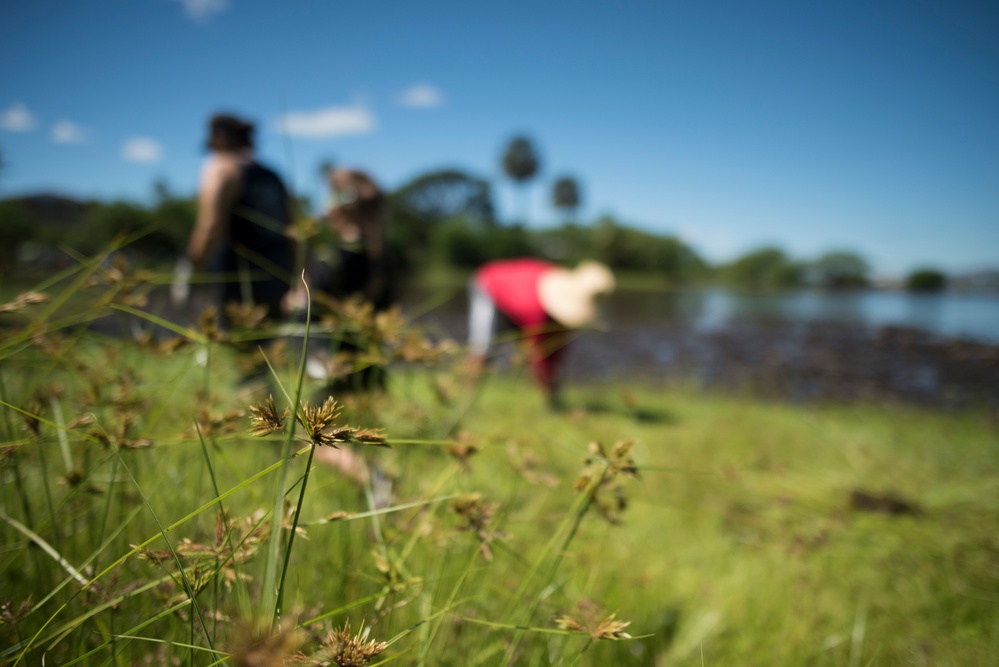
{"x": 202, "y": 10}
{"x": 328, "y": 122}
{"x": 68, "y": 132}
{"x": 17, "y": 118}
{"x": 142, "y": 149}
{"x": 422, "y": 96}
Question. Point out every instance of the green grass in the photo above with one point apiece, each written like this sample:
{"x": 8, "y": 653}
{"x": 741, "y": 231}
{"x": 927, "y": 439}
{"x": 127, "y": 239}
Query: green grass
{"x": 736, "y": 544}
{"x": 740, "y": 537}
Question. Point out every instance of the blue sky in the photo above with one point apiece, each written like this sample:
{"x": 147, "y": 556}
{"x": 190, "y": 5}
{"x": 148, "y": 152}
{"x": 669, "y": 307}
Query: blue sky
{"x": 871, "y": 126}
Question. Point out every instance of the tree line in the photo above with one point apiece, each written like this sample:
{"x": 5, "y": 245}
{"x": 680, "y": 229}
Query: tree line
{"x": 443, "y": 219}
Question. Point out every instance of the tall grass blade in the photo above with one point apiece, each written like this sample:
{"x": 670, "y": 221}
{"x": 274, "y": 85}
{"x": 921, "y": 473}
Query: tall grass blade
{"x": 191, "y": 593}
{"x": 272, "y": 595}
{"x": 44, "y": 546}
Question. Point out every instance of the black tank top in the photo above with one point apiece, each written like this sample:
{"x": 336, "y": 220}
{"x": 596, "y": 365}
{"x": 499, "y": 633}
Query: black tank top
{"x": 257, "y": 244}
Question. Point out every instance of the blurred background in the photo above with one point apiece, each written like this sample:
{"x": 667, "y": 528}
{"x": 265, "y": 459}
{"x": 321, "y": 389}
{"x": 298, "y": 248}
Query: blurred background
{"x": 761, "y": 168}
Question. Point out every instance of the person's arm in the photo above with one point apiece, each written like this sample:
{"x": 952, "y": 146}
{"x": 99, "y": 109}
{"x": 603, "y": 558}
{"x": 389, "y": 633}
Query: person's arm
{"x": 217, "y": 194}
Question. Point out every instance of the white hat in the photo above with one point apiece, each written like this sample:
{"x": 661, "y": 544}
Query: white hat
{"x": 569, "y": 297}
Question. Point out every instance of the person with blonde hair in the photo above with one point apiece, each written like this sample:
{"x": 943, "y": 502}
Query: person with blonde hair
{"x": 545, "y": 302}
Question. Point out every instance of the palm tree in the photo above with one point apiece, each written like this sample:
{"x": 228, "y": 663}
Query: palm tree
{"x": 565, "y": 197}
{"x": 521, "y": 164}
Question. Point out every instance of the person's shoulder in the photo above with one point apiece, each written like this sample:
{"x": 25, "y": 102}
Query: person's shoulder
{"x": 222, "y": 167}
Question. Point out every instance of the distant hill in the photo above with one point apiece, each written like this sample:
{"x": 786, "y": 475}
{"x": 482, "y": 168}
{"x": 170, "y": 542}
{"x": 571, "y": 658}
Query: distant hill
{"x": 51, "y": 208}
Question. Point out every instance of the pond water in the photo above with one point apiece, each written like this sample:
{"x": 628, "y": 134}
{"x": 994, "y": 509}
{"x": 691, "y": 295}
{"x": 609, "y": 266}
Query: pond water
{"x": 932, "y": 349}
{"x": 940, "y": 350}
{"x": 951, "y": 315}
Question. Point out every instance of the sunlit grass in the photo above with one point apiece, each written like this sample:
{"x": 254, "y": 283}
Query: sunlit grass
{"x": 143, "y": 523}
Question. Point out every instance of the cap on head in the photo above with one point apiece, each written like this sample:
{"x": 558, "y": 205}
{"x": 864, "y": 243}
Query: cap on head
{"x": 229, "y": 133}
{"x": 570, "y": 296}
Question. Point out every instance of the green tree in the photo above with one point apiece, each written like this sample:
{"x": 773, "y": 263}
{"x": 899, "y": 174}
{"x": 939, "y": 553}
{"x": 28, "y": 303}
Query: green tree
{"x": 568, "y": 243}
{"x": 629, "y": 249}
{"x": 566, "y": 197}
{"x": 460, "y": 244}
{"x": 521, "y": 164}
{"x": 17, "y": 226}
{"x": 447, "y": 193}
{"x": 421, "y": 206}
{"x": 926, "y": 280}
{"x": 164, "y": 227}
{"x": 172, "y": 217}
{"x": 765, "y": 268}
{"x": 106, "y": 222}
{"x": 841, "y": 270}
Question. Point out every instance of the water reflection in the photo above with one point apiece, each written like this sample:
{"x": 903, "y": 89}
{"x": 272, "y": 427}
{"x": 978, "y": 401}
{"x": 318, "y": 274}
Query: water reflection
{"x": 710, "y": 310}
{"x": 806, "y": 345}
{"x": 925, "y": 311}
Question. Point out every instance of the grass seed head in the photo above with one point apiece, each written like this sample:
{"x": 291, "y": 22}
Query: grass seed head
{"x": 346, "y": 650}
{"x": 474, "y": 510}
{"x": 478, "y": 515}
{"x": 257, "y": 644}
{"x": 602, "y": 475}
{"x": 209, "y": 324}
{"x": 264, "y": 418}
{"x": 371, "y": 436}
{"x": 463, "y": 451}
{"x": 23, "y": 301}
{"x": 588, "y": 617}
{"x": 7, "y": 453}
{"x": 31, "y": 415}
{"x": 316, "y": 419}
{"x": 246, "y": 316}
{"x": 214, "y": 423}
{"x": 171, "y": 345}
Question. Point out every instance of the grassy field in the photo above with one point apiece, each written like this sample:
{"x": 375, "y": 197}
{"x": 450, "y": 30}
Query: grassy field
{"x": 646, "y": 525}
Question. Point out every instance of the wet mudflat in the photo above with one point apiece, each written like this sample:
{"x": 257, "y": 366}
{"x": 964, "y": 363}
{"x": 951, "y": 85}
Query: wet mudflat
{"x": 837, "y": 354}
{"x": 801, "y": 361}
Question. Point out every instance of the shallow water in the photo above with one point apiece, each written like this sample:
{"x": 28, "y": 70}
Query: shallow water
{"x": 955, "y": 315}
{"x": 940, "y": 350}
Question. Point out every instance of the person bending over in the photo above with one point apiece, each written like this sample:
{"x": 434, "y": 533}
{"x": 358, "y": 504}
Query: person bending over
{"x": 545, "y": 302}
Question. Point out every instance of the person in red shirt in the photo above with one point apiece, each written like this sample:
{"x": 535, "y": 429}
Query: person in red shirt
{"x": 542, "y": 300}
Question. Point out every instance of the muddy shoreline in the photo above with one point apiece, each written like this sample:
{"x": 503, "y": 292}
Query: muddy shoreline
{"x": 779, "y": 358}
{"x": 799, "y": 361}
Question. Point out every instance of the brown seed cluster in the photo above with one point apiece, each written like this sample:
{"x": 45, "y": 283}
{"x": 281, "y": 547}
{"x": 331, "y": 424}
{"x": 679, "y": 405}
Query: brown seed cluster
{"x": 477, "y": 516}
{"x": 264, "y": 418}
{"x": 23, "y": 301}
{"x": 602, "y": 475}
{"x": 346, "y": 650}
{"x": 589, "y": 618}
{"x": 257, "y": 644}
{"x": 319, "y": 423}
